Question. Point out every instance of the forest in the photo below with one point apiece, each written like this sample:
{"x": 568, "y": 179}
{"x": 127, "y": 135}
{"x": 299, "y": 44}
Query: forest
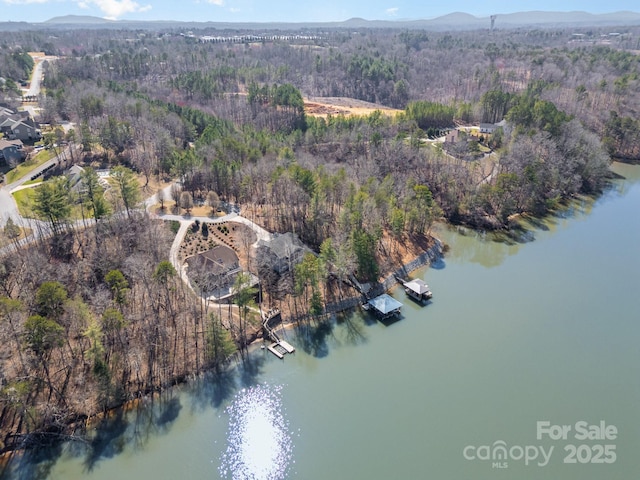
{"x": 93, "y": 314}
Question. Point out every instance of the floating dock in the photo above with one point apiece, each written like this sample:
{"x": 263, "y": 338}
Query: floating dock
{"x": 279, "y": 347}
{"x": 273, "y": 348}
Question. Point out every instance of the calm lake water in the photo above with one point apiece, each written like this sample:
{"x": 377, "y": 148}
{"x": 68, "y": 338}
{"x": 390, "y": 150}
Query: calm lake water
{"x": 545, "y": 329}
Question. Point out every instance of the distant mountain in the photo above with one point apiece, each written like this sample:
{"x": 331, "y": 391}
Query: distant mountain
{"x": 465, "y": 21}
{"x": 457, "y": 18}
{"x": 452, "y": 21}
{"x": 14, "y": 26}
{"x": 77, "y": 20}
{"x": 567, "y": 18}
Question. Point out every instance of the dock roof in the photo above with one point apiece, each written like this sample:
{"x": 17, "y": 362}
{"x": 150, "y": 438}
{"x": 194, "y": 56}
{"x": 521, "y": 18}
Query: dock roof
{"x": 385, "y": 304}
{"x": 417, "y": 286}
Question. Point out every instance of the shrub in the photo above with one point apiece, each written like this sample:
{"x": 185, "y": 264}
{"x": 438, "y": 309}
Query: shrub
{"x": 174, "y": 225}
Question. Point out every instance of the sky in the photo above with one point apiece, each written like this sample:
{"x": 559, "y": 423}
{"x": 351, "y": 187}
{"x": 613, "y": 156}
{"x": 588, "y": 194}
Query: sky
{"x": 288, "y": 10}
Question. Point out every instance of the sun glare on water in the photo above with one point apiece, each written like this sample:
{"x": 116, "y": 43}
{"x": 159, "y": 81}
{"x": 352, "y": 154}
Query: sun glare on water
{"x": 259, "y": 445}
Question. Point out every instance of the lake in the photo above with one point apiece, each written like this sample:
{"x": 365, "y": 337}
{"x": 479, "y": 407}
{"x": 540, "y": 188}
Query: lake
{"x": 525, "y": 365}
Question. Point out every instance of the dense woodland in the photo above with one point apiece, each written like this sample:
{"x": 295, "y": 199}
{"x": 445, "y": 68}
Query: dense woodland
{"x": 94, "y": 316}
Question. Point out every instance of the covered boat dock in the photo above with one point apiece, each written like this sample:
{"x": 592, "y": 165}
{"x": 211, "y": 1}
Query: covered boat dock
{"x": 384, "y": 306}
{"x": 418, "y": 290}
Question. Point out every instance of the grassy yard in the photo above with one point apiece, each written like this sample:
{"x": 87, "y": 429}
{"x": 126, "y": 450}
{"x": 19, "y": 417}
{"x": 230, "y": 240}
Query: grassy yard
{"x": 24, "y": 198}
{"x": 26, "y": 167}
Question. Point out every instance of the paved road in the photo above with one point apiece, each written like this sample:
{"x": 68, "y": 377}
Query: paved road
{"x": 175, "y": 248}
{"x": 36, "y": 79}
{"x": 36, "y": 76}
{"x": 8, "y": 207}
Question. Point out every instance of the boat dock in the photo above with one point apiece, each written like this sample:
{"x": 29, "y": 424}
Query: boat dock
{"x": 417, "y": 290}
{"x": 279, "y": 347}
{"x": 384, "y": 306}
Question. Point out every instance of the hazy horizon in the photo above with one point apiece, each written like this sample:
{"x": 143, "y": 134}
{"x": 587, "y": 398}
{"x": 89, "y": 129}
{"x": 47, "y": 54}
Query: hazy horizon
{"x": 37, "y": 11}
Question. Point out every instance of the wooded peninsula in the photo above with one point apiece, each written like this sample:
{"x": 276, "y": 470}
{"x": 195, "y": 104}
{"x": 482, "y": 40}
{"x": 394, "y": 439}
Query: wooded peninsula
{"x": 348, "y": 143}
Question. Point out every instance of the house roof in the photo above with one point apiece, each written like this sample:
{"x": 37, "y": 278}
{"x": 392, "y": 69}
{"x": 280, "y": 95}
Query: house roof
{"x": 220, "y": 259}
{"x": 10, "y": 143}
{"x": 26, "y": 123}
{"x": 6, "y": 121}
{"x": 75, "y": 176}
{"x": 417, "y": 286}
{"x": 385, "y": 304}
{"x": 285, "y": 245}
{"x": 75, "y": 170}
{"x": 12, "y": 119}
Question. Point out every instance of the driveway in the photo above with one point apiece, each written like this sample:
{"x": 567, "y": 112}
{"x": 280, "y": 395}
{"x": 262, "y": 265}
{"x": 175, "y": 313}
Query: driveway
{"x": 8, "y": 207}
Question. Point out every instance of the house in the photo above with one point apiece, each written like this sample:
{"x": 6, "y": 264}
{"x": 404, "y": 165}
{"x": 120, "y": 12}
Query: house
{"x": 8, "y": 116}
{"x": 489, "y": 128}
{"x": 214, "y": 269}
{"x": 282, "y": 252}
{"x": 74, "y": 174}
{"x": 19, "y": 126}
{"x": 452, "y": 136}
{"x": 11, "y": 152}
{"x": 24, "y": 130}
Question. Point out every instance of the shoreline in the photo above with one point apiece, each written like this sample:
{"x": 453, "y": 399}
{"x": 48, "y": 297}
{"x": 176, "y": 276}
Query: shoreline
{"x": 83, "y": 425}
{"x": 428, "y": 257}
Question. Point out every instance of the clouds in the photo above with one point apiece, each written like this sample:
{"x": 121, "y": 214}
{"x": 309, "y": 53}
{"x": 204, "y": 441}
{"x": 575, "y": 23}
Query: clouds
{"x": 110, "y": 8}
{"x": 392, "y": 12}
{"x": 115, "y": 8}
{"x": 219, "y": 3}
{"x": 24, "y": 2}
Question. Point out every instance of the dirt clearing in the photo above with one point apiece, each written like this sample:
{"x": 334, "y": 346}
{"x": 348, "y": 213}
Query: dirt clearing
{"x": 323, "y": 106}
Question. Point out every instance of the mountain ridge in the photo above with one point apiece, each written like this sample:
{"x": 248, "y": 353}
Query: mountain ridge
{"x": 453, "y": 21}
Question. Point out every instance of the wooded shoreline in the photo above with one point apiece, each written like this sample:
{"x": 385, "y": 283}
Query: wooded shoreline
{"x": 94, "y": 312}
{"x": 75, "y": 430}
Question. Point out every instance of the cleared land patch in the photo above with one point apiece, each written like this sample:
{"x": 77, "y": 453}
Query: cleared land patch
{"x": 323, "y": 106}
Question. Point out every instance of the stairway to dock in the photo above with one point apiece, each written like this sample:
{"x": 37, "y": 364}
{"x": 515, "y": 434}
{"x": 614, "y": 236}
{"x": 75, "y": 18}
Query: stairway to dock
{"x": 279, "y": 347}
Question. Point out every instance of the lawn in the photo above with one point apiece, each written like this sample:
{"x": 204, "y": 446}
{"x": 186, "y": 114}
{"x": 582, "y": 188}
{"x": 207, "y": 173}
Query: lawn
{"x": 24, "y": 199}
{"x": 26, "y": 167}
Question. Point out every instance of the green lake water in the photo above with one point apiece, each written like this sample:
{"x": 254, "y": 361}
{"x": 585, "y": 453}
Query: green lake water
{"x": 545, "y": 329}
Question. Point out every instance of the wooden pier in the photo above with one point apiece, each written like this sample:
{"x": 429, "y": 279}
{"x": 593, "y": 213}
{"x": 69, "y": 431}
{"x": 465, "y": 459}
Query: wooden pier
{"x": 279, "y": 347}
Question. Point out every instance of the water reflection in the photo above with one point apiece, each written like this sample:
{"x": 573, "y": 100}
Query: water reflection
{"x": 36, "y": 463}
{"x": 216, "y": 389}
{"x": 314, "y": 338}
{"x": 259, "y": 444}
{"x": 353, "y": 326}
